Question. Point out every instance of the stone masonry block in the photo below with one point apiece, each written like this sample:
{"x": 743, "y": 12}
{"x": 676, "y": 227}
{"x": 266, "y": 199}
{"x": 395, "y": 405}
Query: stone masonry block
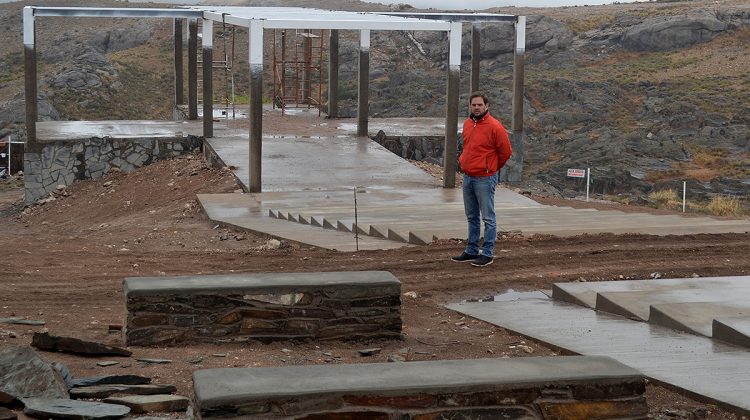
{"x": 262, "y": 306}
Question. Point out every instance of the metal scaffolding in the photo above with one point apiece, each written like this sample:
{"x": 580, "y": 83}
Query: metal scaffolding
{"x": 298, "y": 79}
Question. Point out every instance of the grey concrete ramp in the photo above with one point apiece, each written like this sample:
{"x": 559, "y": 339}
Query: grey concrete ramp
{"x": 734, "y": 330}
{"x": 130, "y": 129}
{"x": 703, "y": 367}
{"x": 695, "y": 317}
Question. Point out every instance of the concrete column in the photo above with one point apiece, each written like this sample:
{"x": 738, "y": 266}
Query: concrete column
{"x": 306, "y": 69}
{"x": 208, "y": 85}
{"x": 451, "y": 111}
{"x": 30, "y": 68}
{"x": 513, "y": 171}
{"x": 333, "y": 74}
{"x": 475, "y": 52}
{"x": 193, "y": 69}
{"x": 179, "y": 84}
{"x": 363, "y": 82}
{"x": 256, "y": 104}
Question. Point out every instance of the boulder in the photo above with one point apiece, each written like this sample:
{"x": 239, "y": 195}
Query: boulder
{"x": 24, "y": 375}
{"x": 659, "y": 34}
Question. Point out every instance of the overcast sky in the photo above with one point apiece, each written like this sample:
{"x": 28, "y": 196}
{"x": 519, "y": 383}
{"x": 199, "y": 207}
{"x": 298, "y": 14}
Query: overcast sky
{"x": 486, "y": 4}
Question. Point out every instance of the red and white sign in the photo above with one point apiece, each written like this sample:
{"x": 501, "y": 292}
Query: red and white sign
{"x": 577, "y": 173}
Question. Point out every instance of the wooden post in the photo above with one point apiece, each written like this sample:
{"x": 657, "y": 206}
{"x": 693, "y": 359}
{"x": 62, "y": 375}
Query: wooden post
{"x": 30, "y": 83}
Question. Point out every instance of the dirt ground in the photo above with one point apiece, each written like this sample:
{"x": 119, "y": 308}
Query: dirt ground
{"x": 63, "y": 262}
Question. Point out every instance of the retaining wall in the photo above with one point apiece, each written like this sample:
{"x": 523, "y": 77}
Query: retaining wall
{"x": 64, "y": 162}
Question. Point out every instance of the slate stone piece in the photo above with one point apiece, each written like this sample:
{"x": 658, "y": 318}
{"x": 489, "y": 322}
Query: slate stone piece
{"x": 104, "y": 391}
{"x": 6, "y": 414}
{"x": 111, "y": 380}
{"x": 45, "y": 341}
{"x": 73, "y": 409}
{"x": 64, "y": 373}
{"x": 24, "y": 375}
{"x": 152, "y": 403}
{"x": 20, "y": 321}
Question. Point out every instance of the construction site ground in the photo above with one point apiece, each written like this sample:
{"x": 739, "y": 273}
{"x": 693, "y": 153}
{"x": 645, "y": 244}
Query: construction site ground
{"x": 63, "y": 262}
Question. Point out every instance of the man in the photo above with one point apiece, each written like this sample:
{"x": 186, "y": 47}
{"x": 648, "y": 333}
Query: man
{"x": 486, "y": 149}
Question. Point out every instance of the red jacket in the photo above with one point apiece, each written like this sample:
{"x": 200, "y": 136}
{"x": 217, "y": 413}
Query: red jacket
{"x": 486, "y": 147}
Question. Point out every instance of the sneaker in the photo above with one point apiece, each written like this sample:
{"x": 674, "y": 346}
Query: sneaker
{"x": 464, "y": 257}
{"x": 482, "y": 261}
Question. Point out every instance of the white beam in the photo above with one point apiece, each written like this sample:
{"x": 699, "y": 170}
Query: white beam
{"x": 207, "y": 40}
{"x": 229, "y": 19}
{"x": 28, "y": 25}
{"x": 521, "y": 34}
{"x": 357, "y": 25}
{"x": 454, "y": 49}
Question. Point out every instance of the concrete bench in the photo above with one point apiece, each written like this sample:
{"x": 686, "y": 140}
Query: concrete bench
{"x": 574, "y": 387}
{"x": 265, "y": 306}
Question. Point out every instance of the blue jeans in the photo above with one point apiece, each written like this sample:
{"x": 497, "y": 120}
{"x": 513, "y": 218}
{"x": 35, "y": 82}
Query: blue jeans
{"x": 479, "y": 198}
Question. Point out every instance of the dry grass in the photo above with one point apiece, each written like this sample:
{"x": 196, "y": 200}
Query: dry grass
{"x": 724, "y": 206}
{"x": 665, "y": 199}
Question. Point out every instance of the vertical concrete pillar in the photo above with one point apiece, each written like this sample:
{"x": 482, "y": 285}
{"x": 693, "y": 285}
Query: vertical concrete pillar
{"x": 333, "y": 74}
{"x": 30, "y": 68}
{"x": 179, "y": 84}
{"x": 208, "y": 85}
{"x": 256, "y": 103}
{"x": 193, "y": 69}
{"x": 363, "y": 82}
{"x": 475, "y": 57}
{"x": 307, "y": 69}
{"x": 513, "y": 171}
{"x": 451, "y": 111}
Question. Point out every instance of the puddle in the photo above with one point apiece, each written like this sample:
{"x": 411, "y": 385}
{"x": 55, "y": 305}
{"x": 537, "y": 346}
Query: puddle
{"x": 511, "y": 295}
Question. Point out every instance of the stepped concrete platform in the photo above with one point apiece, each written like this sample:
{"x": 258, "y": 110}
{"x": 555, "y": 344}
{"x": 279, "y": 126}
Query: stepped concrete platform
{"x": 531, "y": 388}
{"x": 262, "y": 306}
{"x": 734, "y": 330}
{"x": 706, "y": 368}
{"x": 308, "y": 182}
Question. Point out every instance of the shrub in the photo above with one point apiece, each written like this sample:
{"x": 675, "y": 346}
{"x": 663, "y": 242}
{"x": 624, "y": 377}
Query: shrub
{"x": 665, "y": 199}
{"x": 724, "y": 206}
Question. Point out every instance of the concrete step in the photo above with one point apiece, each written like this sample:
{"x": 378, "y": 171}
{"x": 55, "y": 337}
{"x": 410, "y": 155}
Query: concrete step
{"x": 735, "y": 330}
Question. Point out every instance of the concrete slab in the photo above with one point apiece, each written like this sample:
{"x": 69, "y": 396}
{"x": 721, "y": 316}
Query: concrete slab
{"x": 636, "y": 304}
{"x": 215, "y": 388}
{"x": 735, "y": 330}
{"x": 584, "y": 294}
{"x": 695, "y": 317}
{"x": 236, "y": 283}
{"x": 700, "y": 366}
{"x": 133, "y": 129}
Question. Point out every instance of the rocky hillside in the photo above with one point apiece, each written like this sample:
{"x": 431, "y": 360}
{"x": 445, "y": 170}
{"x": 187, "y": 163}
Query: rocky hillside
{"x": 646, "y": 95}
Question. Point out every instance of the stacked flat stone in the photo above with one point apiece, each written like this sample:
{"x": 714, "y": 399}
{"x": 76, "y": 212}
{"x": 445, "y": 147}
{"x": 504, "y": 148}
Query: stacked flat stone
{"x": 265, "y": 306}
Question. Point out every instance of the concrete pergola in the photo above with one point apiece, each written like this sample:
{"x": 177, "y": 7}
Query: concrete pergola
{"x": 256, "y": 19}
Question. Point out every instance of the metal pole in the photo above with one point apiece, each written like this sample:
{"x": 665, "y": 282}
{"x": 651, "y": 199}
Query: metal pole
{"x": 363, "y": 82}
{"x": 515, "y": 169}
{"x": 193, "y": 69}
{"x": 333, "y": 74}
{"x": 451, "y": 109}
{"x": 179, "y": 93}
{"x": 588, "y": 182}
{"x": 256, "y": 103}
{"x": 475, "y": 57}
{"x": 208, "y": 86}
{"x": 30, "y": 68}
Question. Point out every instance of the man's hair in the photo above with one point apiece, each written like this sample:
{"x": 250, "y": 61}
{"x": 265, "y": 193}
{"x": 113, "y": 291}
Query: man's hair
{"x": 479, "y": 95}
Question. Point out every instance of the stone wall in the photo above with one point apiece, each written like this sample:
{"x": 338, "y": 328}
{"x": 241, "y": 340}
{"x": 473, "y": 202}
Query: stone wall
{"x": 421, "y": 148}
{"x": 541, "y": 388}
{"x": 64, "y": 162}
{"x": 267, "y": 307}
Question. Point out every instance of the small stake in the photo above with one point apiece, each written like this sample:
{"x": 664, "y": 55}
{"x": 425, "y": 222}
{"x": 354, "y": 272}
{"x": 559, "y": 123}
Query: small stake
{"x": 356, "y": 229}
